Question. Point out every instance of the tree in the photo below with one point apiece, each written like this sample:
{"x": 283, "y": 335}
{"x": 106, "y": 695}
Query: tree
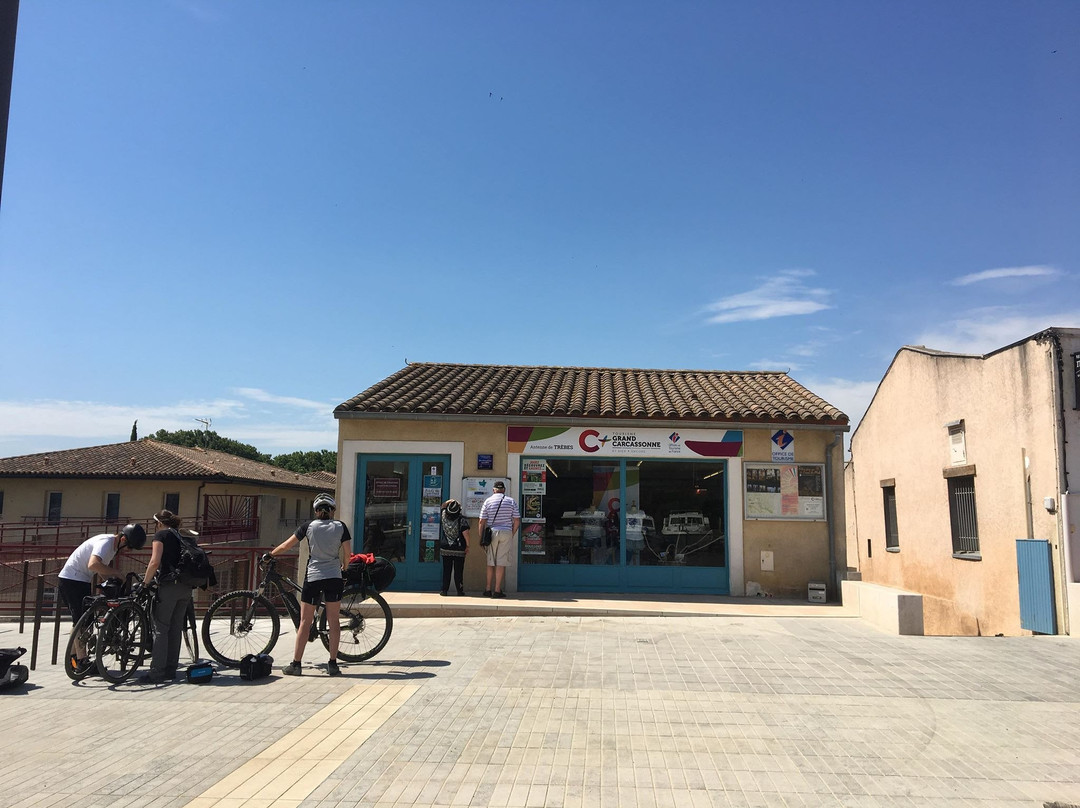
{"x": 134, "y": 431}
{"x": 307, "y": 462}
{"x": 208, "y": 439}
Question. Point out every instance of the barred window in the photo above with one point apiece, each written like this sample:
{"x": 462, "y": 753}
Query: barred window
{"x": 962, "y": 515}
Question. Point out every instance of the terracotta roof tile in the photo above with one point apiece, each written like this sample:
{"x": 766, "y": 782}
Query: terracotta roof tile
{"x": 511, "y": 390}
{"x": 153, "y": 459}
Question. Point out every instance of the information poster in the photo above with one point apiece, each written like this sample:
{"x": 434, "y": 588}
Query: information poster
{"x": 533, "y": 477}
{"x": 474, "y": 490}
{"x": 532, "y": 539}
{"x": 784, "y": 491}
{"x": 430, "y": 512}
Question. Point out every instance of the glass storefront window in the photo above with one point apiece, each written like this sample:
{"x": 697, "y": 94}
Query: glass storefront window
{"x": 623, "y": 512}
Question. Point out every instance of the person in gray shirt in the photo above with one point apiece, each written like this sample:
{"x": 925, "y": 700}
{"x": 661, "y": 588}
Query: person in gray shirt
{"x": 329, "y": 547}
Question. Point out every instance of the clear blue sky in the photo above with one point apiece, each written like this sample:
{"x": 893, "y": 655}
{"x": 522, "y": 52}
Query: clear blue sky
{"x": 251, "y": 211}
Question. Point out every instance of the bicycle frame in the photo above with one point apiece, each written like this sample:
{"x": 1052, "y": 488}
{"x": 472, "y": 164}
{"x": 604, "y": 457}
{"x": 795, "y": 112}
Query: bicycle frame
{"x": 287, "y": 588}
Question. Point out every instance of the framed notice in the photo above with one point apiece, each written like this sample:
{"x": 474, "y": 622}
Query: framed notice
{"x": 784, "y": 491}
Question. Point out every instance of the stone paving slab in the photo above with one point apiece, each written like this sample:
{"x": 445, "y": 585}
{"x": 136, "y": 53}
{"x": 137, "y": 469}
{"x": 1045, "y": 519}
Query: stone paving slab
{"x": 575, "y": 710}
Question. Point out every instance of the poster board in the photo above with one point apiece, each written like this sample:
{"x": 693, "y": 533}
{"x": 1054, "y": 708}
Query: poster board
{"x": 784, "y": 491}
{"x": 474, "y": 490}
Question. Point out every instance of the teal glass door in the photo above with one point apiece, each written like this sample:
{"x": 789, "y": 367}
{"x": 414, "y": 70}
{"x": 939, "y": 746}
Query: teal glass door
{"x": 398, "y": 500}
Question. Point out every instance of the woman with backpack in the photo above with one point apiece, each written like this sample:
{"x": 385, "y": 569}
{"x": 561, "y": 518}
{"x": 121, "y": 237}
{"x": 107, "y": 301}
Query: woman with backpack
{"x": 173, "y": 600}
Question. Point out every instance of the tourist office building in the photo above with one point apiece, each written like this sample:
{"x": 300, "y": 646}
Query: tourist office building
{"x": 627, "y": 481}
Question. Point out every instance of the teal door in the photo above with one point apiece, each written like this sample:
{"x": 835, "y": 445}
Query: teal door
{"x": 398, "y": 500}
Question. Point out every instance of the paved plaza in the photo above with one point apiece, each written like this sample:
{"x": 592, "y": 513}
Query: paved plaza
{"x": 759, "y": 706}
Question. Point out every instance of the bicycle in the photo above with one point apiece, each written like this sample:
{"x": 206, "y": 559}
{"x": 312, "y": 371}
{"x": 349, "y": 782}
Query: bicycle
{"x": 117, "y": 632}
{"x": 246, "y": 621}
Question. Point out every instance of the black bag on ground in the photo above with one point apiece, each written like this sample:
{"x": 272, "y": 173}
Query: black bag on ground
{"x": 256, "y": 666}
{"x": 194, "y": 568}
{"x": 11, "y": 674}
{"x": 200, "y": 673}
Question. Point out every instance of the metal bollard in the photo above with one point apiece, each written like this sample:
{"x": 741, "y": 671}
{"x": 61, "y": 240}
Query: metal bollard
{"x": 56, "y": 626}
{"x": 22, "y": 602}
{"x": 37, "y": 620}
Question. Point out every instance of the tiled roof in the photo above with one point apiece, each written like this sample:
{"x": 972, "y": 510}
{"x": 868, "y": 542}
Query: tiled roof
{"x": 328, "y": 477}
{"x": 151, "y": 459}
{"x": 553, "y": 392}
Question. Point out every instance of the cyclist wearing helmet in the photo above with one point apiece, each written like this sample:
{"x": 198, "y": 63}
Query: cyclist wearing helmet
{"x": 93, "y": 557}
{"x": 329, "y": 547}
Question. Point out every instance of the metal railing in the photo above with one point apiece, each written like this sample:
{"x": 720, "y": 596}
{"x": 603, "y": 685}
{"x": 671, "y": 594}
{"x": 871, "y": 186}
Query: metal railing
{"x": 35, "y": 538}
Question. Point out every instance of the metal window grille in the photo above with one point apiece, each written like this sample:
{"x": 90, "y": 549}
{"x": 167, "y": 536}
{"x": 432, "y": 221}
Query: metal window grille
{"x": 112, "y": 507}
{"x": 965, "y": 524}
{"x": 892, "y": 533}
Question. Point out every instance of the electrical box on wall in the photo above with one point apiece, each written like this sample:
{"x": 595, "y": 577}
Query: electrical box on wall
{"x": 815, "y": 592}
{"x": 766, "y": 560}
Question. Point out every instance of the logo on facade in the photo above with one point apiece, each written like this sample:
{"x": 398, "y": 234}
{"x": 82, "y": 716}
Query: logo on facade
{"x": 592, "y": 447}
{"x": 674, "y": 437}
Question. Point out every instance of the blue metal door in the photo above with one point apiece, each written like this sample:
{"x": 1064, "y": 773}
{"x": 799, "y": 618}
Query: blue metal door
{"x": 1035, "y": 571}
{"x": 398, "y": 498}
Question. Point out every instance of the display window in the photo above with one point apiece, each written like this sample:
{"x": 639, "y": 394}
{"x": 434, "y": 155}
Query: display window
{"x": 623, "y": 512}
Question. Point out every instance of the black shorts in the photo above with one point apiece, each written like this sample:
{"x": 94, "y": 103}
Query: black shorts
{"x": 329, "y": 589}
{"x": 73, "y": 594}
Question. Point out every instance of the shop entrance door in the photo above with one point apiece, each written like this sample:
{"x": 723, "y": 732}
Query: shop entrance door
{"x": 398, "y": 499}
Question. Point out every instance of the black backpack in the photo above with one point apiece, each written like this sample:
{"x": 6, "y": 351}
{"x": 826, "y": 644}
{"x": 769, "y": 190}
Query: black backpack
{"x": 194, "y": 568}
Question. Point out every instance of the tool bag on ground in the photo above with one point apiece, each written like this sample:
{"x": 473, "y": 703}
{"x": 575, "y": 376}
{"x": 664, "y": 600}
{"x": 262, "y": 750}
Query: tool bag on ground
{"x": 200, "y": 673}
{"x": 379, "y": 570}
{"x": 256, "y": 666}
{"x": 194, "y": 568}
{"x": 12, "y": 675}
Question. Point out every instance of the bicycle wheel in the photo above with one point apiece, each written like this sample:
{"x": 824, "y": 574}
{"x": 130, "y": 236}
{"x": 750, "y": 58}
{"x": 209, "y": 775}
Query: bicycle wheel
{"x": 191, "y": 634}
{"x": 239, "y": 623}
{"x": 85, "y": 631}
{"x": 121, "y": 645}
{"x": 366, "y": 624}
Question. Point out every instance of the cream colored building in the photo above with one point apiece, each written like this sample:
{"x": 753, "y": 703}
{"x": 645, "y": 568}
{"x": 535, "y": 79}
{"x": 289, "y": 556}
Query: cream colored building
{"x": 57, "y": 498}
{"x": 957, "y": 458}
{"x": 628, "y": 481}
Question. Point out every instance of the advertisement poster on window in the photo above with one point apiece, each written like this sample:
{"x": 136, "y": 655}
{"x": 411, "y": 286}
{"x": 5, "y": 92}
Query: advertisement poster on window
{"x": 474, "y": 490}
{"x": 605, "y": 441}
{"x": 532, "y": 538}
{"x": 784, "y": 491}
{"x": 534, "y": 477}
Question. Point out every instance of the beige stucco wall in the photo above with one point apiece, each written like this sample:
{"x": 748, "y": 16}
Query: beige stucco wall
{"x": 1007, "y": 404}
{"x": 140, "y": 499}
{"x": 800, "y": 549}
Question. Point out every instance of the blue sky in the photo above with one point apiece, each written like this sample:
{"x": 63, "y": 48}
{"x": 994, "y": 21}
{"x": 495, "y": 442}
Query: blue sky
{"x": 249, "y": 212}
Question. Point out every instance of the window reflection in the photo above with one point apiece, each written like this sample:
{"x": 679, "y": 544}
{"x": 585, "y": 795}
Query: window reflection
{"x": 673, "y": 515}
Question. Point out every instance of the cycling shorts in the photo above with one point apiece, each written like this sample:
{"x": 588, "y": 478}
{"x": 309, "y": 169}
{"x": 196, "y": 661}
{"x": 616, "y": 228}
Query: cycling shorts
{"x": 328, "y": 589}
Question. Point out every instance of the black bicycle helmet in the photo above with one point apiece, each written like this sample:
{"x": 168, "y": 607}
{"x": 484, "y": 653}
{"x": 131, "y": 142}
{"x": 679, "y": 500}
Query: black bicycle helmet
{"x": 136, "y": 536}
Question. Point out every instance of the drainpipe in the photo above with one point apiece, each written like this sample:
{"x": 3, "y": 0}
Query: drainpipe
{"x": 837, "y": 436}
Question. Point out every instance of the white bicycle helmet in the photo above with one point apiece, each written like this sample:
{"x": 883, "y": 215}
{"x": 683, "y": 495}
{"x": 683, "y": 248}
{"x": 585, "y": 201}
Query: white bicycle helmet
{"x": 324, "y": 501}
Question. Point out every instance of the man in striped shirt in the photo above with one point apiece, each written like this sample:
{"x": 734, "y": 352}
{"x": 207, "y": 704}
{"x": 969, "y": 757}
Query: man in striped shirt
{"x": 502, "y": 514}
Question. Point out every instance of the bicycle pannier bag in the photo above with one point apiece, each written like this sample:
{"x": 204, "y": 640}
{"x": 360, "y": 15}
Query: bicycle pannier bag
{"x": 11, "y": 674}
{"x": 194, "y": 568}
{"x": 256, "y": 666}
{"x": 381, "y": 571}
{"x": 200, "y": 673}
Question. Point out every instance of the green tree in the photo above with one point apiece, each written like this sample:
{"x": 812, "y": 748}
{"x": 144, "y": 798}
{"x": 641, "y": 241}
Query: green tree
{"x": 307, "y": 462}
{"x": 208, "y": 439}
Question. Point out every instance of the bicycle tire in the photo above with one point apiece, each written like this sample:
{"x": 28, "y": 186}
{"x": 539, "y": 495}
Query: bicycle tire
{"x": 366, "y": 623}
{"x": 85, "y": 627}
{"x": 122, "y": 644}
{"x": 191, "y": 634}
{"x": 247, "y": 623}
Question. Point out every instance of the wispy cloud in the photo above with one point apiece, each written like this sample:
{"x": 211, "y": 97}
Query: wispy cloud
{"x": 1005, "y": 272}
{"x": 782, "y": 296}
{"x": 48, "y": 425}
{"x": 984, "y": 330}
{"x": 773, "y": 364}
{"x": 255, "y": 394}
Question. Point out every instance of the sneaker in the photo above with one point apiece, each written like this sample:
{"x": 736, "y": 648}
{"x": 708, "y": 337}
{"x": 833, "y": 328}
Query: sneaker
{"x": 151, "y": 679}
{"x": 486, "y": 594}
{"x": 292, "y": 669}
{"x": 332, "y": 669}
{"x": 498, "y": 594}
{"x": 461, "y": 593}
{"x": 443, "y": 593}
